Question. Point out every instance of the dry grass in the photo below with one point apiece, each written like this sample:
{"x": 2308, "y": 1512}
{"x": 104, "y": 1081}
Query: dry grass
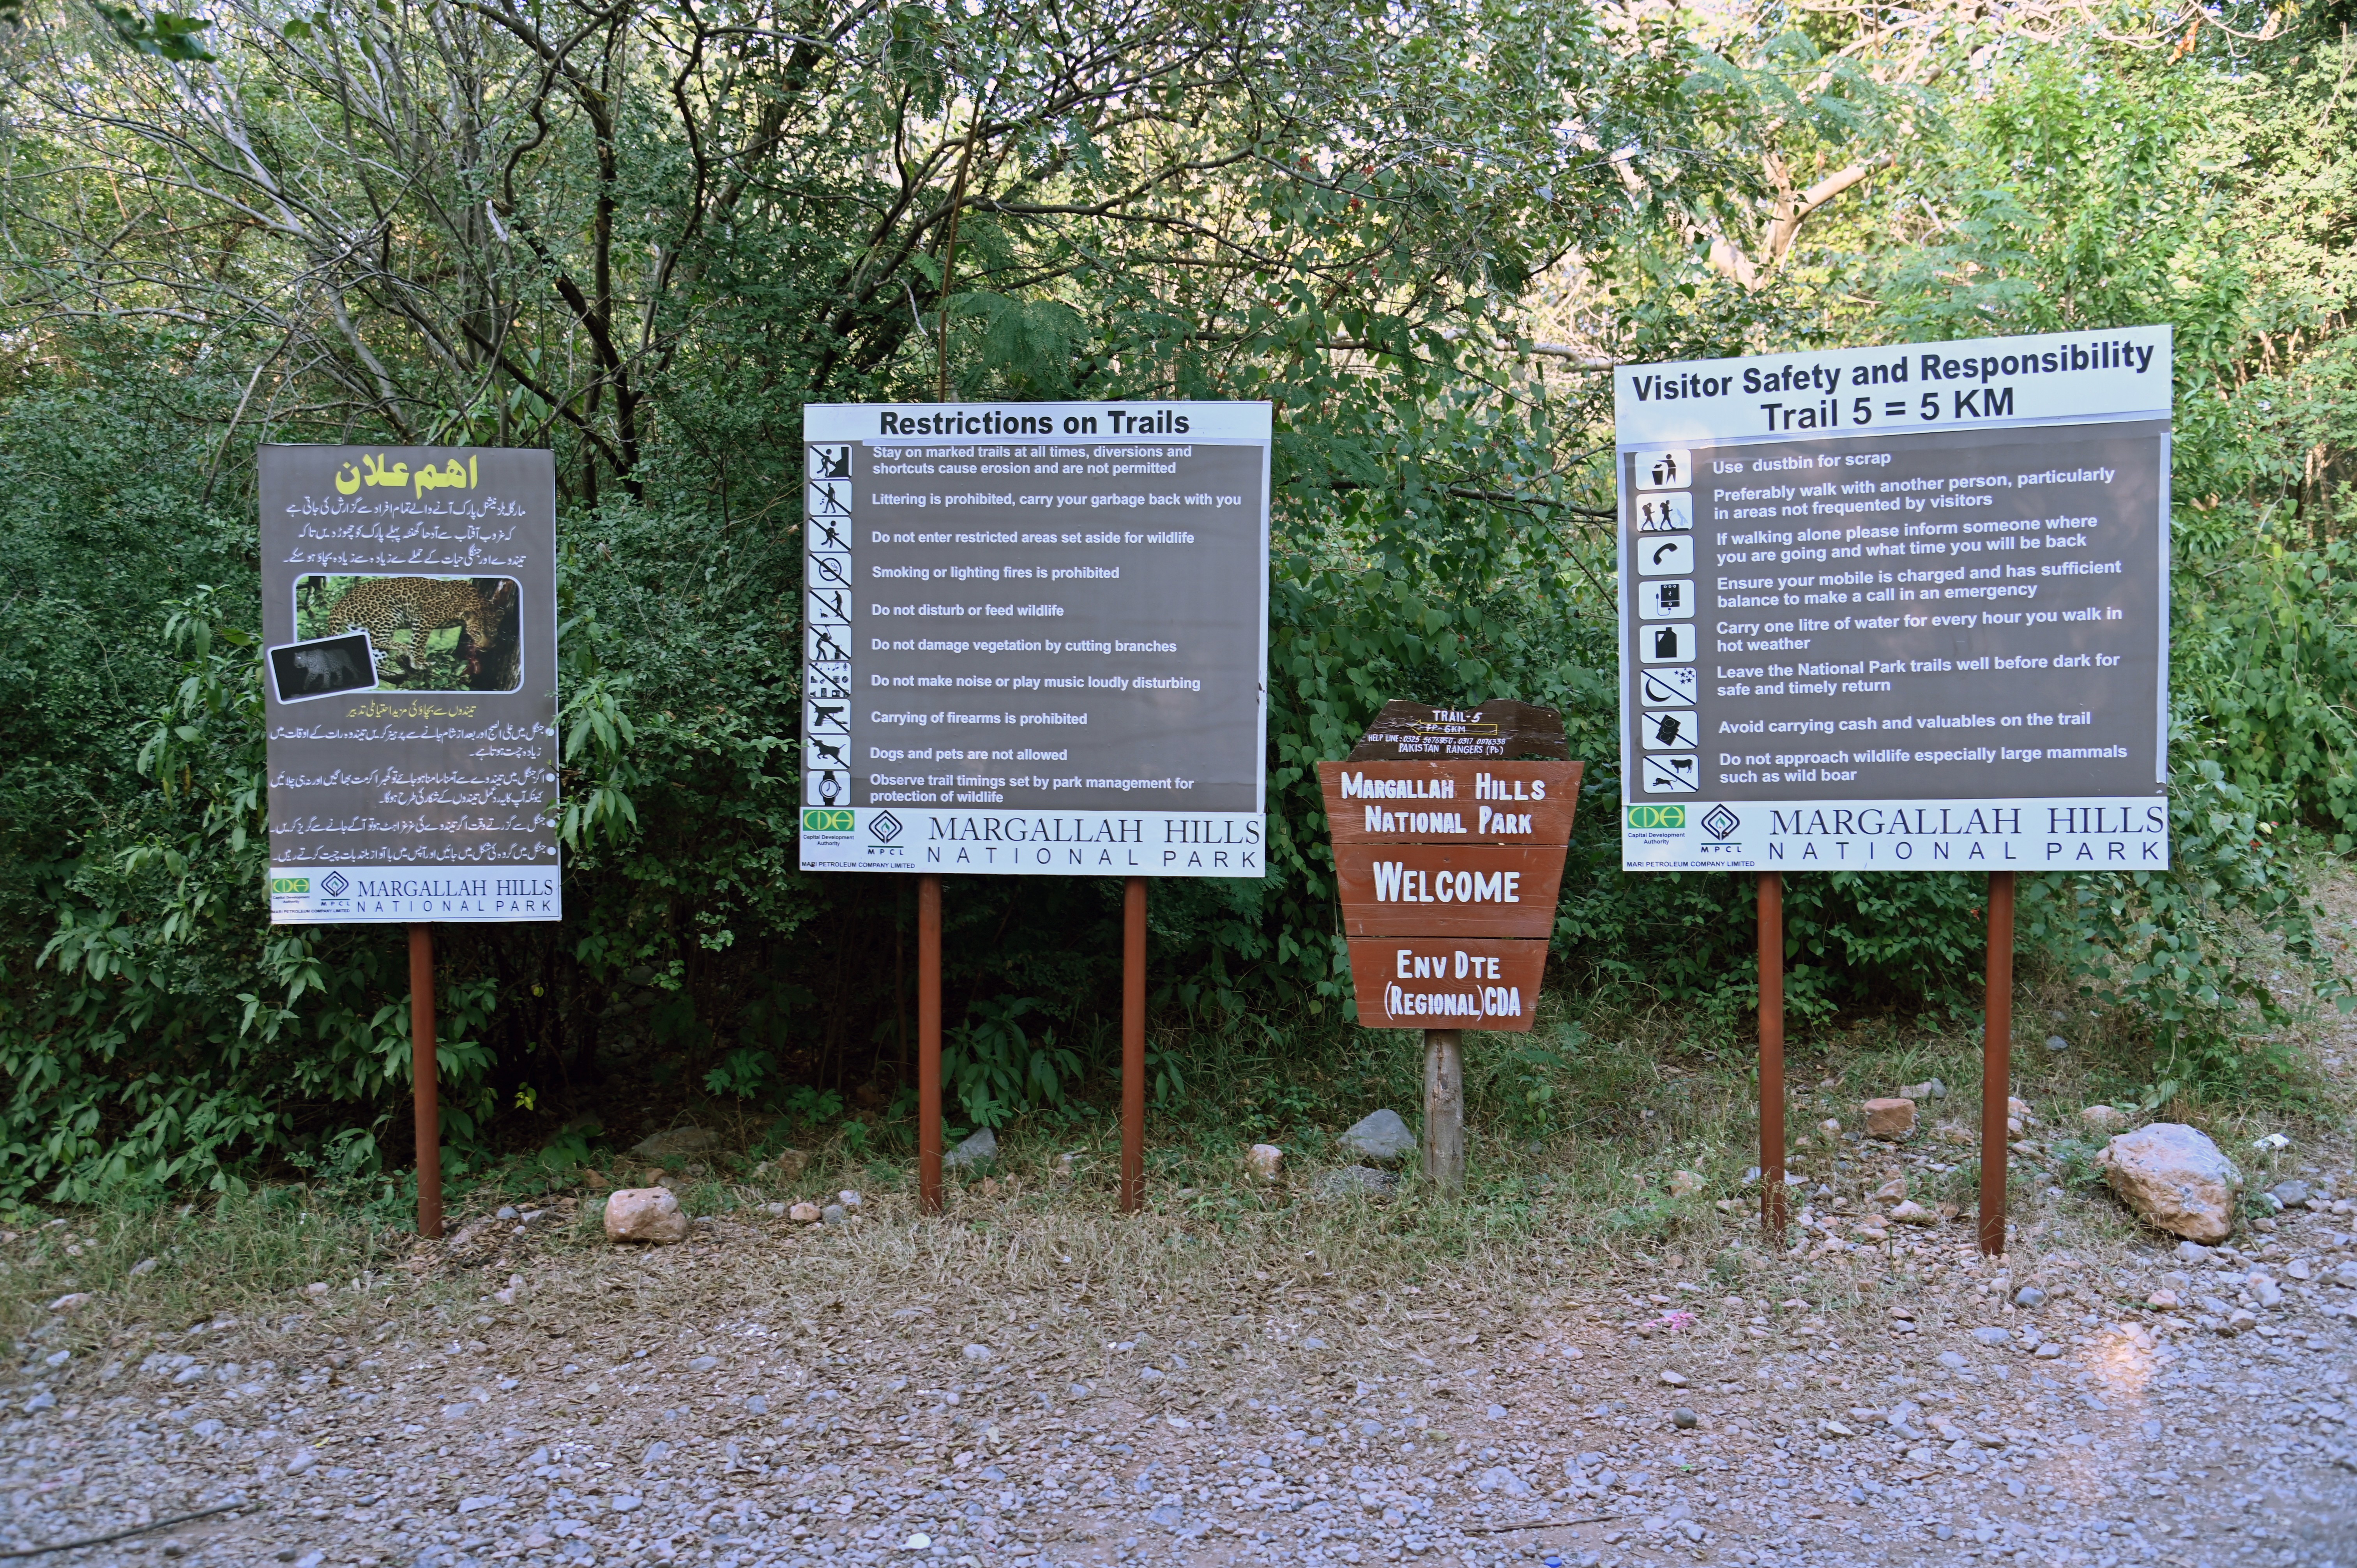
{"x": 1574, "y": 1204}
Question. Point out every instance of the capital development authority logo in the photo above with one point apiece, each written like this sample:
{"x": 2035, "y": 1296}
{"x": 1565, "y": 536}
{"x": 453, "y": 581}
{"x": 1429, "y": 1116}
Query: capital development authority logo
{"x": 334, "y": 885}
{"x": 1657, "y": 818}
{"x": 827, "y": 819}
{"x": 1720, "y": 823}
{"x": 884, "y": 826}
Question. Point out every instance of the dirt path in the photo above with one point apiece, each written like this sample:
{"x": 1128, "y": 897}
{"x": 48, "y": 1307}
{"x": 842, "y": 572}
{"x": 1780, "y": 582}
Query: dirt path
{"x": 758, "y": 1396}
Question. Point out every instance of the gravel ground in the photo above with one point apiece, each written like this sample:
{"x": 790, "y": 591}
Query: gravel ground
{"x": 729, "y": 1401}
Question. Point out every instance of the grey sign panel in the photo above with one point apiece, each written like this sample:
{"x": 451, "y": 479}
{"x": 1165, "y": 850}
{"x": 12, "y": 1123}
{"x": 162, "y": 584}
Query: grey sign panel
{"x": 1035, "y": 639}
{"x": 1898, "y": 608}
{"x": 409, "y": 607}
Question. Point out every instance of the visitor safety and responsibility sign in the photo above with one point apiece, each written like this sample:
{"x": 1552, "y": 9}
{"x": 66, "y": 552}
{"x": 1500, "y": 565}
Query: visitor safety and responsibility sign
{"x": 1036, "y": 637}
{"x": 1898, "y": 608}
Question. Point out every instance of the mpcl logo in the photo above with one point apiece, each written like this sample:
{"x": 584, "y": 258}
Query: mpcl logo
{"x": 1642, "y": 818}
{"x": 1720, "y": 824}
{"x": 884, "y": 826}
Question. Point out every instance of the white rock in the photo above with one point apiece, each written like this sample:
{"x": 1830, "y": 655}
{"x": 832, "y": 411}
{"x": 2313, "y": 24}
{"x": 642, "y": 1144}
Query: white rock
{"x": 978, "y": 1149}
{"x": 1264, "y": 1162}
{"x": 644, "y": 1214}
{"x": 73, "y": 1300}
{"x": 2102, "y": 1118}
{"x": 848, "y": 1199}
{"x": 803, "y": 1214}
{"x": 1380, "y": 1136}
{"x": 2176, "y": 1178}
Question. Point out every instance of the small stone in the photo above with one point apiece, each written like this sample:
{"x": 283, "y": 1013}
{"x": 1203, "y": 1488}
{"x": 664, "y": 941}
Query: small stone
{"x": 1354, "y": 1181}
{"x": 2102, "y": 1118}
{"x": 2300, "y": 1269}
{"x": 1498, "y": 1479}
{"x": 2051, "y": 1350}
{"x": 835, "y": 1214}
{"x": 1166, "y": 1515}
{"x": 979, "y": 1149}
{"x": 1912, "y": 1213}
{"x": 677, "y": 1143}
{"x": 1264, "y": 1162}
{"x": 1495, "y": 1412}
{"x": 144, "y": 1267}
{"x": 2175, "y": 1178}
{"x": 1380, "y": 1136}
{"x": 976, "y": 1352}
{"x": 789, "y": 1164}
{"x": 316, "y": 1287}
{"x": 704, "y": 1363}
{"x": 2193, "y": 1253}
{"x": 644, "y": 1214}
{"x": 1889, "y": 1118}
{"x": 2029, "y": 1295}
{"x": 1675, "y": 1380}
{"x": 2241, "y": 1319}
{"x": 1685, "y": 1184}
{"x": 848, "y": 1199}
{"x": 756, "y": 1404}
{"x": 1990, "y": 1335}
{"x": 803, "y": 1214}
{"x": 2290, "y": 1193}
{"x": 2266, "y": 1292}
{"x": 508, "y": 1212}
{"x": 1891, "y": 1191}
{"x": 1830, "y": 1127}
{"x": 73, "y": 1300}
{"x": 1683, "y": 1419}
{"x": 918, "y": 1542}
{"x": 2057, "y": 1044}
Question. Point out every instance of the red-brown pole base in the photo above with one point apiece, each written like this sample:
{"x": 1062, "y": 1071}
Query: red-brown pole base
{"x": 1771, "y": 1053}
{"x": 929, "y": 1044}
{"x": 425, "y": 1071}
{"x": 1132, "y": 1046}
{"x": 1997, "y": 1061}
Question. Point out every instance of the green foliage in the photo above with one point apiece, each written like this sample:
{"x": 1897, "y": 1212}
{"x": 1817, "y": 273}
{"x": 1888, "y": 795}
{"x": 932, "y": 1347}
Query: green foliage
{"x": 651, "y": 255}
{"x": 994, "y": 1069}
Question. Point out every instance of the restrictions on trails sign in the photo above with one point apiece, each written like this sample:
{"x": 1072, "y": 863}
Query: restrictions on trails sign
{"x": 409, "y": 614}
{"x": 1898, "y": 608}
{"x": 1036, "y": 639}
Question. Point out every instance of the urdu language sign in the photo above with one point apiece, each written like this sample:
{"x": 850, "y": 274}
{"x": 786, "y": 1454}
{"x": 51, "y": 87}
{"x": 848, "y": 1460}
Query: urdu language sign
{"x": 409, "y": 614}
{"x": 1898, "y": 608}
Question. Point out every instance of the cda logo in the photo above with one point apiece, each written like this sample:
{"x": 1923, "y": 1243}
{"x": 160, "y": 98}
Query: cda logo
{"x": 819, "y": 820}
{"x": 1658, "y": 817}
{"x": 290, "y": 885}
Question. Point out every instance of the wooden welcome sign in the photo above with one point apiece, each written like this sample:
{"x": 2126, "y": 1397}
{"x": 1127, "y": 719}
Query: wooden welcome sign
{"x": 1448, "y": 869}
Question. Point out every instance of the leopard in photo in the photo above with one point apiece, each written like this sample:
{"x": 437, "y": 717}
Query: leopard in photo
{"x": 420, "y": 606}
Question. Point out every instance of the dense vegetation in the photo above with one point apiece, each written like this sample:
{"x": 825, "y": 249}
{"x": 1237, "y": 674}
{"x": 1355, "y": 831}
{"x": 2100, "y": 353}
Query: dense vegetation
{"x": 645, "y": 234}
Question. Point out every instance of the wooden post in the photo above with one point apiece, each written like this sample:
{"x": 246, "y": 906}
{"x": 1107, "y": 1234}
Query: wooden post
{"x": 1997, "y": 1061}
{"x": 1132, "y": 1046}
{"x": 424, "y": 1073}
{"x": 1443, "y": 1108}
{"x": 1771, "y": 1053}
{"x": 929, "y": 1044}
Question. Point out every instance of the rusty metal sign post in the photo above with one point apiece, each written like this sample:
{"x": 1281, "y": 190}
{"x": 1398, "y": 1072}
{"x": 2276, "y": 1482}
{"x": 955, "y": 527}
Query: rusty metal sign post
{"x": 409, "y": 623}
{"x": 1899, "y": 607}
{"x": 1035, "y": 644}
{"x": 1447, "y": 872}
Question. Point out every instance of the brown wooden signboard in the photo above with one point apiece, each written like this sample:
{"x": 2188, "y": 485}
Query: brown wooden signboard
{"x": 1443, "y": 863}
{"x": 1427, "y": 982}
{"x": 1449, "y": 802}
{"x": 1448, "y": 890}
{"x": 1496, "y": 731}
